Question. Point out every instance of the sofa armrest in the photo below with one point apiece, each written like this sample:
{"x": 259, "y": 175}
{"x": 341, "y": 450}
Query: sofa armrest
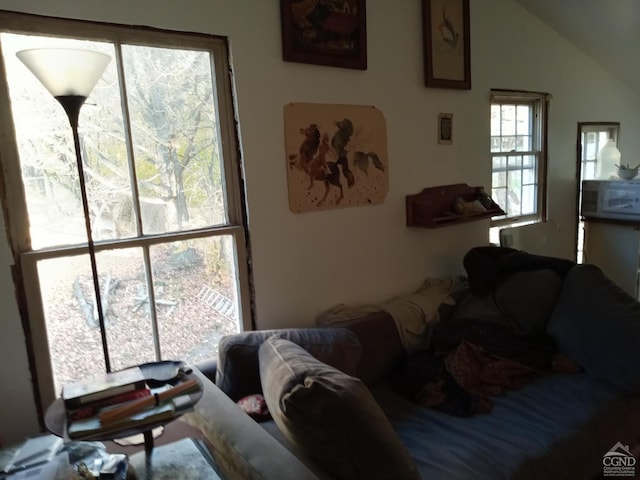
{"x": 241, "y": 447}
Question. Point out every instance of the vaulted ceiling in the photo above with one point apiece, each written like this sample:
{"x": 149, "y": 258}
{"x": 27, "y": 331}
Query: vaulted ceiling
{"x": 606, "y": 30}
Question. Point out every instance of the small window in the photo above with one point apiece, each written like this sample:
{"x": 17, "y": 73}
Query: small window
{"x": 518, "y": 157}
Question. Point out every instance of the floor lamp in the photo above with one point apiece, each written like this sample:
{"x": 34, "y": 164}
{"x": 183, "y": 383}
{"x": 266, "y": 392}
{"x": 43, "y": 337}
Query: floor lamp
{"x": 70, "y": 75}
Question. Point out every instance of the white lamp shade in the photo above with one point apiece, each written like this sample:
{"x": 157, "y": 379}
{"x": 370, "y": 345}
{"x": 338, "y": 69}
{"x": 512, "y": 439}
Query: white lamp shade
{"x": 66, "y": 71}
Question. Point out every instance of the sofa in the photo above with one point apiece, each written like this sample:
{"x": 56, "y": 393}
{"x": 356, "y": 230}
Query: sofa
{"x": 527, "y": 367}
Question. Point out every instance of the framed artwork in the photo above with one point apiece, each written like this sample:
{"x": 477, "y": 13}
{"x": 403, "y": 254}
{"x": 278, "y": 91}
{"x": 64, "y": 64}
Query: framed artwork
{"x": 445, "y": 129}
{"x": 327, "y": 32}
{"x": 336, "y": 156}
{"x": 446, "y": 43}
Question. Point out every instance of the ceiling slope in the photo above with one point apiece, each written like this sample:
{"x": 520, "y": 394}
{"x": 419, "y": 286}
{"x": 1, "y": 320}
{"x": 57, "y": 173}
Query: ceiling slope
{"x": 607, "y": 31}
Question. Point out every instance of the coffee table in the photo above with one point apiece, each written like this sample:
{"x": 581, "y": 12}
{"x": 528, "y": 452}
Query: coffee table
{"x": 56, "y": 416}
{"x": 184, "y": 459}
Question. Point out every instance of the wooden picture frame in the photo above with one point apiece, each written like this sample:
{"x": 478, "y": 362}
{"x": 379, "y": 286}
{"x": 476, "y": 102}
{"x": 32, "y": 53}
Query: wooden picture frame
{"x": 446, "y": 36}
{"x": 445, "y": 129}
{"x": 331, "y": 32}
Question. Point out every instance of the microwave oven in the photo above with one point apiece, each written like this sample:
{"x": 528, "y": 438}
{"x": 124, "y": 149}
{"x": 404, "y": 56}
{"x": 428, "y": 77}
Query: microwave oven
{"x": 611, "y": 199}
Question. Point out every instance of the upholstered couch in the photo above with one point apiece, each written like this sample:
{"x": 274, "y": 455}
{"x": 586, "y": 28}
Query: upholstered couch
{"x": 355, "y": 399}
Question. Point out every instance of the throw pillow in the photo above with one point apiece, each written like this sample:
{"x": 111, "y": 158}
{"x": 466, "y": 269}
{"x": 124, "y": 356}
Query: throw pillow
{"x": 521, "y": 300}
{"x": 332, "y": 417}
{"x": 238, "y": 372}
{"x": 256, "y": 407}
{"x": 597, "y": 324}
{"x": 527, "y": 298}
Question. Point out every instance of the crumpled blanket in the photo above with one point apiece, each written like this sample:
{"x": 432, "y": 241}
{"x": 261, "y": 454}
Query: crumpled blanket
{"x": 414, "y": 314}
{"x": 470, "y": 362}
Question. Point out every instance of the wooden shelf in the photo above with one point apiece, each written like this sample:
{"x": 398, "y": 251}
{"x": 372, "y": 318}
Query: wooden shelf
{"x": 433, "y": 207}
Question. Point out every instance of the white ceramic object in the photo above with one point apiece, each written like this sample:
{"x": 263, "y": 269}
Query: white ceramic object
{"x": 627, "y": 173}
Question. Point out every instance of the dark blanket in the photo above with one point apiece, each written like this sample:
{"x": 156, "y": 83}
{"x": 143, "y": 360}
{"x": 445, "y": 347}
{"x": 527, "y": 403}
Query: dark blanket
{"x": 475, "y": 355}
{"x": 486, "y": 266}
{"x": 469, "y": 362}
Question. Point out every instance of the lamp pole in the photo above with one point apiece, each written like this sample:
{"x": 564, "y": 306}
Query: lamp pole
{"x": 70, "y": 75}
{"x": 72, "y": 105}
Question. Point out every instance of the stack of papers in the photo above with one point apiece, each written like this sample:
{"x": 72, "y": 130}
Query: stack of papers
{"x": 91, "y": 427}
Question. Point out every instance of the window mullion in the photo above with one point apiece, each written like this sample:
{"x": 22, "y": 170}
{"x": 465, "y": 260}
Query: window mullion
{"x": 126, "y": 120}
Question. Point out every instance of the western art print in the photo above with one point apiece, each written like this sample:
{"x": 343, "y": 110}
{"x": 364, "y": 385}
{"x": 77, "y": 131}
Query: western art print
{"x": 336, "y": 156}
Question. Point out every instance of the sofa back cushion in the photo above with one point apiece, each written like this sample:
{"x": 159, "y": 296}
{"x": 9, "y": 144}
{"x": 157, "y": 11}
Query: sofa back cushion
{"x": 330, "y": 416}
{"x": 381, "y": 346}
{"x": 522, "y": 300}
{"x": 597, "y": 324}
{"x": 238, "y": 372}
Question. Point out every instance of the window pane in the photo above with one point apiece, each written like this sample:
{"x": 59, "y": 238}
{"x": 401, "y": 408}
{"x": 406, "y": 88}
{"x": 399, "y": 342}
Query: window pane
{"x": 523, "y": 125}
{"x": 499, "y": 196}
{"x": 515, "y": 161}
{"x": 495, "y": 144}
{"x": 495, "y": 121}
{"x": 523, "y": 143}
{"x": 508, "y": 143}
{"x": 175, "y": 138}
{"x": 47, "y": 153}
{"x": 508, "y": 120}
{"x": 528, "y": 176}
{"x": 528, "y": 199}
{"x": 196, "y": 296}
{"x": 499, "y": 179}
{"x": 590, "y": 150}
{"x": 514, "y": 179}
{"x": 499, "y": 163}
{"x": 71, "y": 317}
{"x": 70, "y": 334}
{"x": 513, "y": 203}
{"x": 529, "y": 161}
{"x": 126, "y": 307}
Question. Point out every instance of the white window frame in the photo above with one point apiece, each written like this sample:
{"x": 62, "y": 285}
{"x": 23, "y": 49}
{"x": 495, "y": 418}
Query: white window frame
{"x": 539, "y": 103}
{"x": 13, "y": 195}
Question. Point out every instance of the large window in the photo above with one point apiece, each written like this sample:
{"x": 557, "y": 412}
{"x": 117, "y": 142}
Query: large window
{"x": 163, "y": 180}
{"x": 518, "y": 157}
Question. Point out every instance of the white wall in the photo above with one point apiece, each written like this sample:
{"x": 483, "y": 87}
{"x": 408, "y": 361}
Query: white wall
{"x": 307, "y": 262}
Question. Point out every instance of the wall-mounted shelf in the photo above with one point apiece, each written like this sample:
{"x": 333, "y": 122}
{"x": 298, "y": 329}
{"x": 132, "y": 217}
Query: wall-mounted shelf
{"x": 433, "y": 207}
